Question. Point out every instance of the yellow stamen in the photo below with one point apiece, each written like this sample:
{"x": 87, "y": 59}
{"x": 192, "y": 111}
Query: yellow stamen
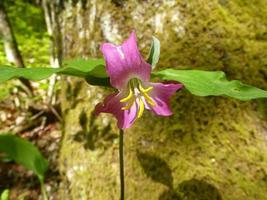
{"x": 149, "y": 99}
{"x": 141, "y": 108}
{"x": 137, "y": 93}
{"x": 145, "y": 90}
{"x": 129, "y": 105}
{"x": 144, "y": 93}
{"x": 130, "y": 95}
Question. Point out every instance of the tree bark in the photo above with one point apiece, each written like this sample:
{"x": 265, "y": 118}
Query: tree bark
{"x": 10, "y": 44}
{"x": 211, "y": 148}
{"x": 51, "y": 12}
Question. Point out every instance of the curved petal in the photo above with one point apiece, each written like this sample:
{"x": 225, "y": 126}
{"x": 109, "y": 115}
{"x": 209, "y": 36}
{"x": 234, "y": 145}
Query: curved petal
{"x": 112, "y": 104}
{"x": 124, "y": 62}
{"x": 161, "y": 95}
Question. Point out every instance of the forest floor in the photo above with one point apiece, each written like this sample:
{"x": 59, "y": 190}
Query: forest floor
{"x": 42, "y": 128}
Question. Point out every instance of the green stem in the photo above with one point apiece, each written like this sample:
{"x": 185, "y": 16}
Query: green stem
{"x": 121, "y": 164}
{"x": 43, "y": 190}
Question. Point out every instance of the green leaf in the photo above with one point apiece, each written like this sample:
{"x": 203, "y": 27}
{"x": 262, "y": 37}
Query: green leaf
{"x": 154, "y": 53}
{"x": 4, "y": 195}
{"x": 24, "y": 153}
{"x": 96, "y": 67}
{"x": 80, "y": 68}
{"x": 98, "y": 81}
{"x": 208, "y": 83}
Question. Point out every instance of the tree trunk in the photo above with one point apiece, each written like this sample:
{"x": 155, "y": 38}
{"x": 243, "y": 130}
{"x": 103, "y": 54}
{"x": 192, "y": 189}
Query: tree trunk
{"x": 10, "y": 44}
{"x": 212, "y": 147}
{"x": 51, "y": 12}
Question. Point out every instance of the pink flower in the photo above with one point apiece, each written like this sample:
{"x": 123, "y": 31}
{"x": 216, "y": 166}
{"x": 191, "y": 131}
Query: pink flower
{"x": 130, "y": 74}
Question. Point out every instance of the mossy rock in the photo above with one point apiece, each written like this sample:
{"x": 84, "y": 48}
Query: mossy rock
{"x": 212, "y": 148}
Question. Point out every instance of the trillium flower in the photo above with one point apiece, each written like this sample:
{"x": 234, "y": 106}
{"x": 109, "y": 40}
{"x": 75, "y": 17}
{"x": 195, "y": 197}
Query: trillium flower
{"x": 130, "y": 74}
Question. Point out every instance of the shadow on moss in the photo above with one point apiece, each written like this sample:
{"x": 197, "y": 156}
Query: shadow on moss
{"x": 156, "y": 168}
{"x": 170, "y": 195}
{"x": 199, "y": 190}
{"x": 193, "y": 189}
{"x": 91, "y": 136}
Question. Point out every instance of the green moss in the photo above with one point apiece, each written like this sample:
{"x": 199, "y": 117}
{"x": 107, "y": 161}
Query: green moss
{"x": 211, "y": 148}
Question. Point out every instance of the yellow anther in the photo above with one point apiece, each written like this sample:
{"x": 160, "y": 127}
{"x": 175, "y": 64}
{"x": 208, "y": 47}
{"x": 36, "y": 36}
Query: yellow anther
{"x": 129, "y": 105}
{"x": 141, "y": 108}
{"x": 149, "y": 99}
{"x": 130, "y": 95}
{"x": 145, "y": 90}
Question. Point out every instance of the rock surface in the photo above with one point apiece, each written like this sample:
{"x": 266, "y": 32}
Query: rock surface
{"x": 211, "y": 148}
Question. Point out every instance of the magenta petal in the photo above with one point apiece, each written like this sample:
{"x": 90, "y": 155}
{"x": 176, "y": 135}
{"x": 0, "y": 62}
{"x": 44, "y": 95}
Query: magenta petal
{"x": 113, "y": 105}
{"x": 161, "y": 95}
{"x": 125, "y": 62}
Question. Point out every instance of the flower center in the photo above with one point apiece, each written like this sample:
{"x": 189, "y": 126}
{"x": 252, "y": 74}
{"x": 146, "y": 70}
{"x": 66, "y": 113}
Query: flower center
{"x": 138, "y": 94}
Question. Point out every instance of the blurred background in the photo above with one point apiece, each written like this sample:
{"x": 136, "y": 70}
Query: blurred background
{"x": 212, "y": 148}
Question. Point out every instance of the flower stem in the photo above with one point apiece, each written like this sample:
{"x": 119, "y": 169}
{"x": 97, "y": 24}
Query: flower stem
{"x": 121, "y": 164}
{"x": 44, "y": 195}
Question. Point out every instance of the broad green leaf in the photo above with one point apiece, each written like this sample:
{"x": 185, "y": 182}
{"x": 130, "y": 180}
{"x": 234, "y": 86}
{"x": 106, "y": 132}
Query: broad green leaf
{"x": 8, "y": 72}
{"x": 96, "y": 67}
{"x": 154, "y": 53}
{"x": 97, "y": 76}
{"x": 98, "y": 81}
{"x": 24, "y": 153}
{"x": 208, "y": 83}
{"x": 4, "y": 195}
{"x": 80, "y": 68}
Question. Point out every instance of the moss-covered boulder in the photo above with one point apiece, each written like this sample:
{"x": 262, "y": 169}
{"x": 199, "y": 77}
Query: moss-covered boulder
{"x": 212, "y": 148}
